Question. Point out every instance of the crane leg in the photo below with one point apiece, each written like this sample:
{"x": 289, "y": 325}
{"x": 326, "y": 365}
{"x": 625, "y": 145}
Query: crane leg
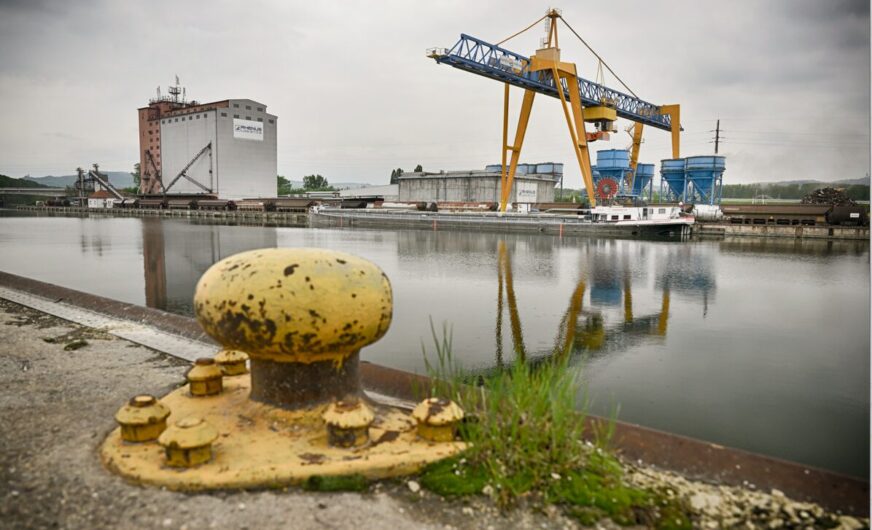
{"x": 577, "y": 132}
{"x": 523, "y": 120}
{"x": 674, "y": 111}
{"x": 634, "y": 152}
{"x": 504, "y": 176}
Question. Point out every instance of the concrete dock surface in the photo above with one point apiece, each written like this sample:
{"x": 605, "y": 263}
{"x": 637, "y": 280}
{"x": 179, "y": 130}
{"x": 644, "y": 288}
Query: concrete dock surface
{"x": 57, "y": 405}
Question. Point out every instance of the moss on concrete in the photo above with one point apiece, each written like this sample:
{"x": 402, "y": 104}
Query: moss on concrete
{"x": 589, "y": 494}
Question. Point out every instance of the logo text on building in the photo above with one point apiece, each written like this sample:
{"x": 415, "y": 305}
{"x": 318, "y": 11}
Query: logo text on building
{"x": 247, "y": 129}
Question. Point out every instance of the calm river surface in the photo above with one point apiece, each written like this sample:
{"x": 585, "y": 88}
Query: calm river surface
{"x": 761, "y": 345}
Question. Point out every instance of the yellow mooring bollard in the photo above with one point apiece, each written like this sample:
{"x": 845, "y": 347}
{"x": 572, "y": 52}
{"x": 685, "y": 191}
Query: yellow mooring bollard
{"x": 142, "y": 419}
{"x": 438, "y": 419}
{"x": 348, "y": 423}
{"x": 188, "y": 443}
{"x": 232, "y": 362}
{"x": 205, "y": 378}
{"x": 301, "y": 316}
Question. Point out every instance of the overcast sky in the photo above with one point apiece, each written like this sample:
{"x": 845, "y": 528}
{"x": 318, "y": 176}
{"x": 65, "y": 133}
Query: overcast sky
{"x": 356, "y": 95}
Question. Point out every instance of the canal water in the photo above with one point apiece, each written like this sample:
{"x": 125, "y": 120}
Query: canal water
{"x": 757, "y": 344}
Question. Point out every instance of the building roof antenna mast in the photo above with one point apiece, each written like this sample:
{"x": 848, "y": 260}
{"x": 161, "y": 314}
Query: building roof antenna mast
{"x": 176, "y": 91}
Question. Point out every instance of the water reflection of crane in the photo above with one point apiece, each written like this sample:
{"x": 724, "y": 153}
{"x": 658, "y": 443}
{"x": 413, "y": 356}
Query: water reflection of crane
{"x": 581, "y": 331}
{"x": 504, "y": 279}
{"x": 593, "y": 336}
{"x": 688, "y": 272}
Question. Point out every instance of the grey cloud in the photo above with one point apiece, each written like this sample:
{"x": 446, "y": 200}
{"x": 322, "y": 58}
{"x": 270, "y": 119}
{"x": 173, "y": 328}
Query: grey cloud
{"x": 13, "y": 6}
{"x": 356, "y": 96}
{"x": 833, "y": 9}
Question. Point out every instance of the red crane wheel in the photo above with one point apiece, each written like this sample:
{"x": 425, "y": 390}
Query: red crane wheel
{"x": 606, "y": 188}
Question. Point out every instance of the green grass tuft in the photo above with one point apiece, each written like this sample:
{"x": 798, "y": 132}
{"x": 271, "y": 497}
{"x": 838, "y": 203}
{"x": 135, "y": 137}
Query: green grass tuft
{"x": 526, "y": 438}
{"x": 449, "y": 478}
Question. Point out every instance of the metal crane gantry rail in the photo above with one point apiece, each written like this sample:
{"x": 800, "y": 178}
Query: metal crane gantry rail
{"x": 587, "y": 101}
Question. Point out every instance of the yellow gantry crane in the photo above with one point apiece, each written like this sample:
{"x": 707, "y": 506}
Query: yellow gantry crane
{"x": 583, "y": 101}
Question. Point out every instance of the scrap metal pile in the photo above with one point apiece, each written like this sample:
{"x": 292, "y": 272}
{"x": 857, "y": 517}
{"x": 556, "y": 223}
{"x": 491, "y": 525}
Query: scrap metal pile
{"x": 835, "y": 196}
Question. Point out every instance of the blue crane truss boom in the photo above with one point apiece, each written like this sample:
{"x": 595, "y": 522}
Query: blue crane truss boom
{"x": 489, "y": 60}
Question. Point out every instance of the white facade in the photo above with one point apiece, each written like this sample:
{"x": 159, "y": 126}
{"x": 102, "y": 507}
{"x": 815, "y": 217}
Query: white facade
{"x": 475, "y": 186}
{"x": 241, "y": 162}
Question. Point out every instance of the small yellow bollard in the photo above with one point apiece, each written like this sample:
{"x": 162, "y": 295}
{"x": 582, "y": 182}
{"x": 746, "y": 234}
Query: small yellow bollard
{"x": 437, "y": 419}
{"x": 205, "y": 377}
{"x": 232, "y": 362}
{"x": 188, "y": 443}
{"x": 142, "y": 419}
{"x": 348, "y": 423}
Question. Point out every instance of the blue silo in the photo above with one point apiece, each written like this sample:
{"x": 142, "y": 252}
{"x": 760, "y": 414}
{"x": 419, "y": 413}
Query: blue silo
{"x": 614, "y": 164}
{"x": 705, "y": 175}
{"x": 642, "y": 180}
{"x": 673, "y": 181}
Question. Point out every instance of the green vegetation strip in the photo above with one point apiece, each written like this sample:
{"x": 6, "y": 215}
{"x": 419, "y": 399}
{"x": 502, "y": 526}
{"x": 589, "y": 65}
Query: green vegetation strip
{"x": 526, "y": 443}
{"x": 788, "y": 191}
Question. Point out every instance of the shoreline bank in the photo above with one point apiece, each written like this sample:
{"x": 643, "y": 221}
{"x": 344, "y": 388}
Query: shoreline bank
{"x": 435, "y": 221}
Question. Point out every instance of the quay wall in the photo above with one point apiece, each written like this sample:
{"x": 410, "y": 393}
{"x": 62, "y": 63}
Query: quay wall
{"x": 792, "y": 232}
{"x": 556, "y": 226}
{"x": 290, "y": 218}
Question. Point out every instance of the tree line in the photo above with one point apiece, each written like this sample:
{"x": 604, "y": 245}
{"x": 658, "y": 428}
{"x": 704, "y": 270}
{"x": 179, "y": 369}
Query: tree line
{"x": 310, "y": 183}
{"x": 858, "y": 192}
{"x": 397, "y": 173}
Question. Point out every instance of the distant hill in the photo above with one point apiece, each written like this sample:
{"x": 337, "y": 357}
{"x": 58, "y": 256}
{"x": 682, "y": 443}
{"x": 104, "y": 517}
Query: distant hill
{"x": 298, "y": 184}
{"x": 119, "y": 179}
{"x": 858, "y": 182}
{"x": 863, "y": 181}
{"x": 351, "y": 185}
{"x": 9, "y": 182}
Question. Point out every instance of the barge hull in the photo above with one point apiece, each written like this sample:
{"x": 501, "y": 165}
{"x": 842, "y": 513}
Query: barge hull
{"x": 493, "y": 223}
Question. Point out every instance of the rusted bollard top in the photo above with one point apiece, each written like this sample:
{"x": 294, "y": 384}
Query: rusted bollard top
{"x": 294, "y": 305}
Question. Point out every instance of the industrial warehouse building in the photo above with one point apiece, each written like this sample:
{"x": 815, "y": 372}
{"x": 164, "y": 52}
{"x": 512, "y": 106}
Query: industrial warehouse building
{"x": 533, "y": 183}
{"x": 225, "y": 148}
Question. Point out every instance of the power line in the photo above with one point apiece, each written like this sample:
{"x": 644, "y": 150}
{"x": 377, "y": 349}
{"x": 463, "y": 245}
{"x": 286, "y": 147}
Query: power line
{"x": 798, "y": 133}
